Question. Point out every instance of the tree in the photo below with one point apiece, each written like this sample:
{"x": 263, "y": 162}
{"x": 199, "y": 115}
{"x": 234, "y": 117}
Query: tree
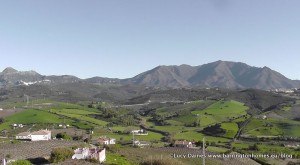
{"x": 60, "y": 154}
{"x": 1, "y": 120}
{"x": 253, "y": 147}
{"x": 63, "y": 136}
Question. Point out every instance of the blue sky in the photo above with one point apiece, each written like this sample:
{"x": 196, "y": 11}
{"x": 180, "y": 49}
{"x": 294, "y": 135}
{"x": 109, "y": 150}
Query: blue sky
{"x": 121, "y": 38}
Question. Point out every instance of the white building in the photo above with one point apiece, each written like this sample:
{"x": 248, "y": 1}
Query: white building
{"x": 24, "y": 136}
{"x": 184, "y": 143}
{"x": 35, "y": 136}
{"x": 139, "y": 132}
{"x": 81, "y": 153}
{"x": 90, "y": 153}
{"x": 141, "y": 144}
{"x": 41, "y": 135}
{"x": 107, "y": 141}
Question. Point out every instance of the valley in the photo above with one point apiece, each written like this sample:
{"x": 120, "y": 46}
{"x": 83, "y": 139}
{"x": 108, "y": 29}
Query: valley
{"x": 265, "y": 123}
{"x": 163, "y": 115}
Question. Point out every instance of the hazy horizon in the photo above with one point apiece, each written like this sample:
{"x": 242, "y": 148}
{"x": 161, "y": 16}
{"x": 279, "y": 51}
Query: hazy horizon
{"x": 120, "y": 39}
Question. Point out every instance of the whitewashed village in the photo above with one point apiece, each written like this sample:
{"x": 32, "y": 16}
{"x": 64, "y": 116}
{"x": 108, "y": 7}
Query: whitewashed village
{"x": 93, "y": 150}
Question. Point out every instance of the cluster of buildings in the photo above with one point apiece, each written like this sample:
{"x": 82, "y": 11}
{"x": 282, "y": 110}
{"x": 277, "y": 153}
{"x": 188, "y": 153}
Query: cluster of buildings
{"x": 90, "y": 153}
{"x": 95, "y": 152}
{"x": 17, "y": 126}
{"x": 293, "y": 91}
{"x": 106, "y": 141}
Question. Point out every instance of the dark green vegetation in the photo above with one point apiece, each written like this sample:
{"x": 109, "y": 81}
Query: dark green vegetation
{"x": 21, "y": 162}
{"x": 60, "y": 154}
{"x": 247, "y": 121}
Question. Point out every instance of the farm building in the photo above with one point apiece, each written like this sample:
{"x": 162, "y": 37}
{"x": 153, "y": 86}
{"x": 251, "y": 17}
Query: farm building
{"x": 106, "y": 140}
{"x": 141, "y": 144}
{"x": 183, "y": 143}
{"x": 90, "y": 153}
{"x": 23, "y": 136}
{"x": 34, "y": 136}
{"x": 139, "y": 132}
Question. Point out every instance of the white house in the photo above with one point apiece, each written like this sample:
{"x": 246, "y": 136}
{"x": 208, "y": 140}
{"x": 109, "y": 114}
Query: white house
{"x": 34, "y": 136}
{"x": 24, "y": 136}
{"x": 41, "y": 135}
{"x": 139, "y": 132}
{"x": 183, "y": 143}
{"x": 17, "y": 126}
{"x": 107, "y": 141}
{"x": 141, "y": 143}
{"x": 81, "y": 153}
{"x": 90, "y": 153}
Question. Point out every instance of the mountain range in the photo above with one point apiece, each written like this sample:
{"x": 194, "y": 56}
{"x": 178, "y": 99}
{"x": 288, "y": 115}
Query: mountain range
{"x": 222, "y": 74}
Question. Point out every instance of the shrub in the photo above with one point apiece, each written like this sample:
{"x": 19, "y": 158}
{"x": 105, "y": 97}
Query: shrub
{"x": 60, "y": 154}
{"x": 63, "y": 136}
{"x": 21, "y": 162}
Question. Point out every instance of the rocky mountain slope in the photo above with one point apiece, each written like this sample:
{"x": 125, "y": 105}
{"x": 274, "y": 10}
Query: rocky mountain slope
{"x": 216, "y": 74}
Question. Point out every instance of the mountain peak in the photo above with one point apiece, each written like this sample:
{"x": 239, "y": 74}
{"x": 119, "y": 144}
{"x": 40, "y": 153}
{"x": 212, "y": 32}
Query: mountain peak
{"x": 9, "y": 70}
{"x": 220, "y": 73}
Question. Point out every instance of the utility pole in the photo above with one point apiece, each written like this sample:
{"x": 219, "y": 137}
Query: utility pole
{"x": 27, "y": 99}
{"x": 132, "y": 138}
{"x": 203, "y": 151}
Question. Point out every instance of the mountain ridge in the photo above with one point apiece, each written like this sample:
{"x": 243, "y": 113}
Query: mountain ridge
{"x": 224, "y": 74}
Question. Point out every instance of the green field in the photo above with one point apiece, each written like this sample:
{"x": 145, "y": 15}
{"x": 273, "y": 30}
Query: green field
{"x": 192, "y": 135}
{"x": 225, "y": 112}
{"x": 272, "y": 127}
{"x": 73, "y": 111}
{"x": 221, "y": 111}
{"x": 113, "y": 158}
{"x": 171, "y": 129}
{"x": 85, "y": 118}
{"x": 217, "y": 149}
{"x": 231, "y": 129}
{"x": 175, "y": 123}
{"x": 55, "y": 113}
{"x": 224, "y": 108}
{"x": 190, "y": 118}
{"x": 32, "y": 116}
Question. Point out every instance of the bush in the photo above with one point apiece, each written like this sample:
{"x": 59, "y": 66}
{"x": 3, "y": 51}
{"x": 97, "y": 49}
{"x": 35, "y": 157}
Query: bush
{"x": 63, "y": 136}
{"x": 60, "y": 154}
{"x": 1, "y": 120}
{"x": 21, "y": 162}
{"x": 254, "y": 147}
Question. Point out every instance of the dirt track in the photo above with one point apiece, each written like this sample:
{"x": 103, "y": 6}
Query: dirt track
{"x": 8, "y": 112}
